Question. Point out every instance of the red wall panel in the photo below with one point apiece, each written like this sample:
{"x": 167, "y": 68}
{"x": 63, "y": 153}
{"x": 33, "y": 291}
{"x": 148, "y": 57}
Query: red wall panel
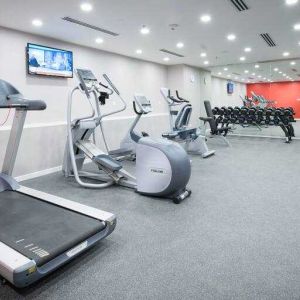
{"x": 284, "y": 94}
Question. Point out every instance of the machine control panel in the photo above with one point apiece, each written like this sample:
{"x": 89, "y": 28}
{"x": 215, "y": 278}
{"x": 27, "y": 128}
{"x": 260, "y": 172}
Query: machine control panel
{"x": 143, "y": 103}
{"x": 87, "y": 80}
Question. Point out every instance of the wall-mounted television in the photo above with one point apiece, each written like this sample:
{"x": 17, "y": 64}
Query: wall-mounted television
{"x": 47, "y": 61}
{"x": 230, "y": 88}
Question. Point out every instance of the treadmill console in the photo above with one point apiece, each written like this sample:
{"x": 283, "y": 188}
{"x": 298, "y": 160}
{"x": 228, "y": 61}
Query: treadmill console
{"x": 87, "y": 80}
{"x": 143, "y": 103}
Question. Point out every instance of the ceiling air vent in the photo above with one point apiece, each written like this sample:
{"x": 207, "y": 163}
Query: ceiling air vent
{"x": 71, "y": 20}
{"x": 170, "y": 52}
{"x": 240, "y": 5}
{"x": 266, "y": 37}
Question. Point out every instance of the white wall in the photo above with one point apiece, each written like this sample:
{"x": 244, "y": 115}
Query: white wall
{"x": 194, "y": 84}
{"x": 220, "y": 97}
{"x": 45, "y": 132}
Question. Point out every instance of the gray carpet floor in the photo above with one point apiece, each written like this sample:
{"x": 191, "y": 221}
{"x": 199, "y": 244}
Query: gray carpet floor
{"x": 236, "y": 237}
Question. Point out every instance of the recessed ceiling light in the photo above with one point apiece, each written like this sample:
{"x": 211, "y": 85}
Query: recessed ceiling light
{"x": 264, "y": 78}
{"x": 229, "y": 76}
{"x": 247, "y": 49}
{"x": 291, "y": 2}
{"x": 206, "y": 62}
{"x": 299, "y": 43}
{"x": 297, "y": 26}
{"x": 284, "y": 74}
{"x": 280, "y": 72}
{"x": 236, "y": 78}
{"x": 231, "y": 37}
{"x": 180, "y": 45}
{"x": 276, "y": 69}
{"x": 99, "y": 40}
{"x": 205, "y": 18}
{"x": 246, "y": 71}
{"x": 253, "y": 74}
{"x": 293, "y": 63}
{"x": 259, "y": 76}
{"x": 256, "y": 66}
{"x": 243, "y": 58}
{"x": 225, "y": 69}
{"x": 86, "y": 6}
{"x": 37, "y": 22}
{"x": 166, "y": 58}
{"x": 139, "y": 51}
{"x": 286, "y": 53}
{"x": 220, "y": 73}
{"x": 203, "y": 54}
{"x": 145, "y": 30}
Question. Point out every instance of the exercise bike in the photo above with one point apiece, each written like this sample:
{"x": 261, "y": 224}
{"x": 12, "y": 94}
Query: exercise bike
{"x": 180, "y": 131}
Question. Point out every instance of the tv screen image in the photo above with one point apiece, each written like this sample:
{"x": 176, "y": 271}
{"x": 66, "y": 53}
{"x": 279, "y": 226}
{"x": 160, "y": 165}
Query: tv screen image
{"x": 230, "y": 88}
{"x": 47, "y": 61}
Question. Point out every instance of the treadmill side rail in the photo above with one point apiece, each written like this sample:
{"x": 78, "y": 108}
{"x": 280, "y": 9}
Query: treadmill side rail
{"x": 10, "y": 260}
{"x": 68, "y": 204}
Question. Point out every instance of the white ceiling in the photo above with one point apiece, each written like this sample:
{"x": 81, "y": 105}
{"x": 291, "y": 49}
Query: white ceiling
{"x": 127, "y": 17}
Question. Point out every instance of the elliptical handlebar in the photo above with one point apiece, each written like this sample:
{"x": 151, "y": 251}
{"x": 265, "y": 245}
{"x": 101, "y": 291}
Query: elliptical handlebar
{"x": 124, "y": 105}
{"x": 106, "y": 87}
{"x": 111, "y": 84}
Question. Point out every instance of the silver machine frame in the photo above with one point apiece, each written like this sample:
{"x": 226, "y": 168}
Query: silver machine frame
{"x": 156, "y": 180}
{"x": 73, "y": 164}
{"x": 15, "y": 267}
{"x": 191, "y": 139}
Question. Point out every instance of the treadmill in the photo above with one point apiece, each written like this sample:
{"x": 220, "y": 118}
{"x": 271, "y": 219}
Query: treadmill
{"x": 39, "y": 232}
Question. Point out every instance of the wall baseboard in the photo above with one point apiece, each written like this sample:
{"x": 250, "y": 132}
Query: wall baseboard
{"x": 44, "y": 172}
{"x": 38, "y": 174}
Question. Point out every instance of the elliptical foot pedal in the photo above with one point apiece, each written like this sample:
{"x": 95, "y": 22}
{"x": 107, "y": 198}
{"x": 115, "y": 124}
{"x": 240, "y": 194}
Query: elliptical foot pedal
{"x": 208, "y": 154}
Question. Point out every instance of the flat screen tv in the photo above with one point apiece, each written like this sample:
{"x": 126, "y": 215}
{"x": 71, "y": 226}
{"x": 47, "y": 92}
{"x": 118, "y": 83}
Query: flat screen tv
{"x": 230, "y": 88}
{"x": 47, "y": 61}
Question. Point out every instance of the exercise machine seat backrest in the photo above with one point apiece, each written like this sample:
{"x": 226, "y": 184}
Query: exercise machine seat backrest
{"x": 209, "y": 113}
{"x": 10, "y": 97}
{"x": 183, "y": 117}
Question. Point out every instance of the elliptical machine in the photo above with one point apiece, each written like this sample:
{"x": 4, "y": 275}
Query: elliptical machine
{"x": 163, "y": 168}
{"x": 190, "y": 138}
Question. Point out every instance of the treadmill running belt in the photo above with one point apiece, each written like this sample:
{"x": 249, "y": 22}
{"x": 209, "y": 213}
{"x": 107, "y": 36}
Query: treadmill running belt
{"x": 39, "y": 230}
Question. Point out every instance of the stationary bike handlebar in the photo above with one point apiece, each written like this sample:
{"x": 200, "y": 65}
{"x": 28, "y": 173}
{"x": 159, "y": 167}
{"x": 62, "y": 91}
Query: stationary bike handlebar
{"x": 139, "y": 113}
{"x": 180, "y": 98}
{"x": 177, "y": 101}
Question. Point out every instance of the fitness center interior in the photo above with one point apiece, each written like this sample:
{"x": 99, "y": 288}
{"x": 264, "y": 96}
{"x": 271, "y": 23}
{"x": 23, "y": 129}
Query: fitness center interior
{"x": 149, "y": 149}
